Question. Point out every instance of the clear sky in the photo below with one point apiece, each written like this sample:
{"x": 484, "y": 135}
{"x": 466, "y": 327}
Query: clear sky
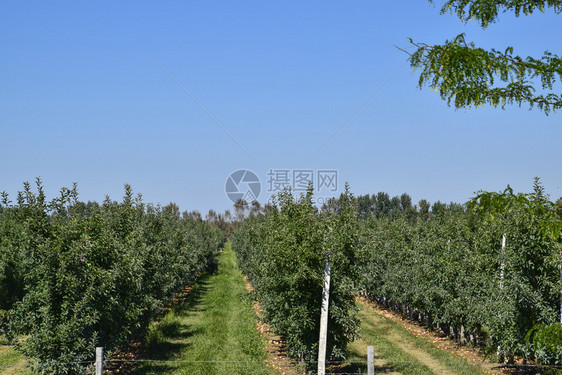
{"x": 83, "y": 99}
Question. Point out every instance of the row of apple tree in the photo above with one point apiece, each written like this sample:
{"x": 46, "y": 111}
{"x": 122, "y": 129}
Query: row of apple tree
{"x": 283, "y": 251}
{"x": 74, "y": 276}
{"x": 447, "y": 266}
{"x": 487, "y": 272}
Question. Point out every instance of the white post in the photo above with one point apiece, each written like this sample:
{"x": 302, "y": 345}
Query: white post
{"x": 502, "y": 261}
{"x": 501, "y": 274}
{"x": 370, "y": 360}
{"x": 99, "y": 360}
{"x": 324, "y": 320}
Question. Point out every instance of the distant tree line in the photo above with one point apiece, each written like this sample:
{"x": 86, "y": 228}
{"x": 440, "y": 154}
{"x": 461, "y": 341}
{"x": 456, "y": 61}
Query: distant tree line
{"x": 382, "y": 205}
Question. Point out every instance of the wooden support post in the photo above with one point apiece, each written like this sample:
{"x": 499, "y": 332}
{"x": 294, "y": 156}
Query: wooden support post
{"x": 99, "y": 360}
{"x": 324, "y": 320}
{"x": 370, "y": 360}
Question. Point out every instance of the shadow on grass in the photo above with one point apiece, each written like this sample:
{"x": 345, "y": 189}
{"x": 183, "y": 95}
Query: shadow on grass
{"x": 362, "y": 367}
{"x": 191, "y": 299}
{"x": 168, "y": 337}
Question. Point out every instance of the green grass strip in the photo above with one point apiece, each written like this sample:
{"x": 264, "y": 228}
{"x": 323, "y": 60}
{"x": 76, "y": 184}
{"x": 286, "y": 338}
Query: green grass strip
{"x": 12, "y": 362}
{"x": 397, "y": 360}
{"x": 393, "y": 354}
{"x": 216, "y": 323}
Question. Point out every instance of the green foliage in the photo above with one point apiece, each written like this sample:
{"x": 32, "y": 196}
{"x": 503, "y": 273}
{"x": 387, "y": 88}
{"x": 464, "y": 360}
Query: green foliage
{"x": 543, "y": 213}
{"x": 545, "y": 343}
{"x": 283, "y": 252}
{"x": 87, "y": 275}
{"x": 487, "y": 11}
{"x": 451, "y": 273}
{"x": 466, "y": 75}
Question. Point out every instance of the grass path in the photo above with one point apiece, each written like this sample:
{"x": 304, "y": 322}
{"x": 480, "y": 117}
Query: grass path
{"x": 12, "y": 362}
{"x": 405, "y": 348}
{"x": 215, "y": 323}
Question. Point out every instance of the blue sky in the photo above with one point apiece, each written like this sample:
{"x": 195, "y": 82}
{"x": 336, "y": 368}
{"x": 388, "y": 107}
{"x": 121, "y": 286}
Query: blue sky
{"x": 82, "y": 100}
